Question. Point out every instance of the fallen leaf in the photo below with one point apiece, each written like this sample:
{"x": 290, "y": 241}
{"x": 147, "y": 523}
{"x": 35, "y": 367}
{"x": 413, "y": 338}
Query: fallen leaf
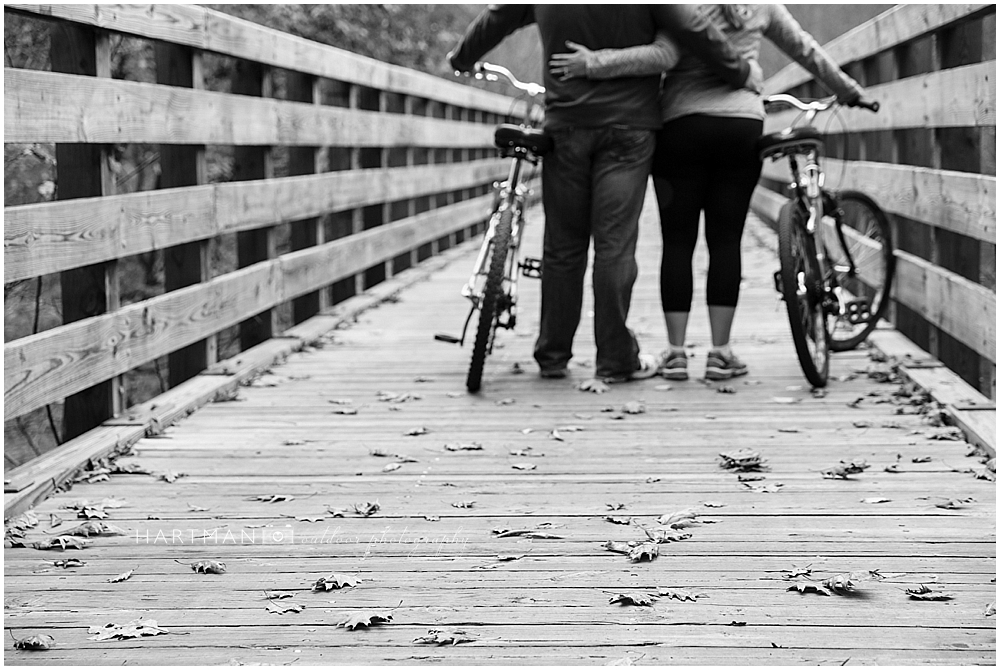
{"x": 646, "y": 551}
{"x": 584, "y": 417}
{"x": 365, "y": 618}
{"x": 676, "y": 517}
{"x": 391, "y": 467}
{"x": 62, "y": 542}
{"x": 618, "y": 547}
{"x": 209, "y": 567}
{"x": 680, "y": 594}
{"x": 788, "y": 430}
{"x": 440, "y": 637}
{"x": 453, "y": 394}
{"x": 278, "y": 595}
{"x": 633, "y": 598}
{"x": 634, "y": 407}
{"x": 620, "y": 520}
{"x": 743, "y": 459}
{"x": 333, "y": 581}
{"x": 593, "y": 386}
{"x": 554, "y": 435}
{"x": 471, "y": 446}
{"x": 69, "y": 563}
{"x": 785, "y": 400}
{"x": 862, "y": 424}
{"x": 367, "y": 508}
{"x": 953, "y": 503}
{"x": 525, "y": 431}
{"x": 845, "y": 582}
{"x": 171, "y": 477}
{"x": 763, "y": 488}
{"x": 737, "y": 623}
{"x": 417, "y": 431}
{"x": 713, "y": 504}
{"x": 273, "y": 498}
{"x": 464, "y": 504}
{"x": 132, "y": 629}
{"x": 527, "y": 451}
{"x": 990, "y": 610}
{"x": 818, "y": 393}
{"x": 346, "y": 411}
{"x": 523, "y": 466}
{"x": 122, "y": 577}
{"x": 532, "y": 533}
{"x": 924, "y": 592}
{"x": 796, "y": 571}
{"x": 662, "y": 387}
{"x": 875, "y": 501}
{"x": 506, "y": 401}
{"x": 431, "y": 517}
{"x": 278, "y": 608}
{"x": 336, "y": 511}
{"x": 894, "y": 468}
{"x": 95, "y": 528}
{"x": 845, "y": 469}
{"x": 809, "y": 587}
{"x": 35, "y": 643}
{"x": 197, "y": 508}
{"x": 663, "y": 536}
{"x": 726, "y": 389}
{"x": 750, "y": 478}
{"x": 341, "y": 401}
{"x": 615, "y": 506}
{"x": 510, "y": 557}
{"x": 516, "y": 369}
{"x": 921, "y": 459}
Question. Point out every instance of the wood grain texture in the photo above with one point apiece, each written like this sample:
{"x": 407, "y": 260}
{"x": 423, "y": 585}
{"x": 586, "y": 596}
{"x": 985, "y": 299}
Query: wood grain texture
{"x": 961, "y": 202}
{"x": 48, "y": 107}
{"x": 216, "y": 32}
{"x": 891, "y": 28}
{"x": 42, "y": 368}
{"x": 551, "y": 605}
{"x": 50, "y": 237}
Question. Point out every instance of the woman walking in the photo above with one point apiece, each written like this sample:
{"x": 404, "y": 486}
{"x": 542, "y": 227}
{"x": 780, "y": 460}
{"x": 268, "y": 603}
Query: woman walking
{"x": 706, "y": 160}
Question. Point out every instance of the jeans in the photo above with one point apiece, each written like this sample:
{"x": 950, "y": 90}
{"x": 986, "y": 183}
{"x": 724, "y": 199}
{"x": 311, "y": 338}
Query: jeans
{"x": 593, "y": 185}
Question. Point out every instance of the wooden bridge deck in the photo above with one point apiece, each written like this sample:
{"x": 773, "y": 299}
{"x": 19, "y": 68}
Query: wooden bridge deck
{"x": 437, "y": 565}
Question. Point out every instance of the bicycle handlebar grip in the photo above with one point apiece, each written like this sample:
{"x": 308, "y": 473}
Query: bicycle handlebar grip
{"x": 868, "y": 104}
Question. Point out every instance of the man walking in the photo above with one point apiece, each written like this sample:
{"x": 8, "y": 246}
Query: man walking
{"x": 594, "y": 181}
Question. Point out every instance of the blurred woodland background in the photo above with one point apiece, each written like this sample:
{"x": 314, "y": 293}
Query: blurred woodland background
{"x": 413, "y": 36}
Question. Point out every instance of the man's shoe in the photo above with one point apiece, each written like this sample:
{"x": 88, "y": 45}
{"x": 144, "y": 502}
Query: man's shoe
{"x": 674, "y": 366}
{"x": 553, "y": 373}
{"x": 719, "y": 366}
{"x": 648, "y": 366}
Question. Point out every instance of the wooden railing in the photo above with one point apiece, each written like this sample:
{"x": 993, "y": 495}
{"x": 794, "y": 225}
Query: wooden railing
{"x": 381, "y": 167}
{"x": 929, "y": 159}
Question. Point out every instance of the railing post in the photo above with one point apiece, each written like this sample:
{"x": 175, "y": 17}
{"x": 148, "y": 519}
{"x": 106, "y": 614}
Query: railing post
{"x": 184, "y": 165}
{"x": 301, "y": 161}
{"x": 83, "y": 171}
{"x": 254, "y": 163}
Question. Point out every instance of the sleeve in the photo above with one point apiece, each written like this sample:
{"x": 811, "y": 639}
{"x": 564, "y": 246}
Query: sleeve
{"x": 698, "y": 35}
{"x": 487, "y": 31}
{"x": 786, "y": 34}
{"x": 637, "y": 61}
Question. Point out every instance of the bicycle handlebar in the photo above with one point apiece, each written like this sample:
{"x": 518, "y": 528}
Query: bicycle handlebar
{"x": 490, "y": 72}
{"x": 820, "y": 105}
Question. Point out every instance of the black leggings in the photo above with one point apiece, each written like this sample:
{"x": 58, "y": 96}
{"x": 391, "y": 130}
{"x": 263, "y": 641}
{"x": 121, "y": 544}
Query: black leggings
{"x": 704, "y": 163}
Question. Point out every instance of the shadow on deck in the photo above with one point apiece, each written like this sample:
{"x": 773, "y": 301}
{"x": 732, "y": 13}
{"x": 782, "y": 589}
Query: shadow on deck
{"x": 272, "y": 483}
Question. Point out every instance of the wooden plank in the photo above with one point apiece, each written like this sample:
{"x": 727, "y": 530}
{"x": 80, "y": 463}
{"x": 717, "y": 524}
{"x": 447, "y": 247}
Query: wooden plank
{"x": 960, "y": 97}
{"x": 50, "y": 365}
{"x": 49, "y": 107}
{"x": 214, "y": 31}
{"x": 900, "y": 24}
{"x": 961, "y": 202}
{"x": 51, "y": 237}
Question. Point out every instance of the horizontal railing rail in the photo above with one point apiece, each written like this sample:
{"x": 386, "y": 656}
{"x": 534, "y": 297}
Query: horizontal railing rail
{"x": 393, "y": 167}
{"x": 928, "y": 158}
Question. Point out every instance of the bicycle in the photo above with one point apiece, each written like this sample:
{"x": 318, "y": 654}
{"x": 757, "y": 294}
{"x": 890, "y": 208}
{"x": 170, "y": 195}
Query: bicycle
{"x": 492, "y": 288}
{"x": 835, "y": 249}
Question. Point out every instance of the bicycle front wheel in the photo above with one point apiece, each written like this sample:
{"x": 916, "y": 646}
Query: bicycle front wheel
{"x": 802, "y": 288}
{"x": 492, "y": 302}
{"x": 860, "y": 254}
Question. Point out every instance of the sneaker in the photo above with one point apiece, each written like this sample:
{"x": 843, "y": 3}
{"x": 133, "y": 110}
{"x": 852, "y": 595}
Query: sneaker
{"x": 648, "y": 366}
{"x": 719, "y": 366}
{"x": 674, "y": 366}
{"x": 553, "y": 373}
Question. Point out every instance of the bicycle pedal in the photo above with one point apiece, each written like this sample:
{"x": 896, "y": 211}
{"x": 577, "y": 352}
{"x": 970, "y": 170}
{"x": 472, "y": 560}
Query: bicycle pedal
{"x": 450, "y": 339}
{"x": 859, "y": 311}
{"x": 531, "y": 267}
{"x": 777, "y": 281}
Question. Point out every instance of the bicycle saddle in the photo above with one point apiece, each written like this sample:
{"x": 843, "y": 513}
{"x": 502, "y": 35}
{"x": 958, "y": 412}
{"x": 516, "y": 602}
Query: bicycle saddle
{"x": 509, "y": 136}
{"x": 789, "y": 141}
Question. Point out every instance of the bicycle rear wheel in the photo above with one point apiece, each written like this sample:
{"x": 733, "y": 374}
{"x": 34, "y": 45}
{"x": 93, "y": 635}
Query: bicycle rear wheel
{"x": 801, "y": 286}
{"x": 492, "y": 303}
{"x": 859, "y": 233}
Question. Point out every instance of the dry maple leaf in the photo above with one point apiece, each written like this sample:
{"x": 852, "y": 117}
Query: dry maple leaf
{"x": 633, "y": 407}
{"x": 132, "y": 629}
{"x": 278, "y": 608}
{"x": 663, "y": 536}
{"x": 990, "y": 610}
{"x": 69, "y": 563}
{"x": 417, "y": 431}
{"x": 506, "y": 401}
{"x": 954, "y": 503}
{"x": 677, "y": 517}
{"x": 440, "y": 637}
{"x": 171, "y": 477}
{"x": 471, "y": 446}
{"x": 35, "y": 643}
{"x": 633, "y": 598}
{"x": 523, "y": 466}
{"x": 510, "y": 557}
{"x": 593, "y": 386}
{"x": 845, "y": 582}
{"x": 763, "y": 488}
{"x": 273, "y": 498}
{"x": 365, "y": 618}
{"x": 526, "y": 452}
{"x": 726, "y": 389}
{"x": 680, "y": 594}
{"x": 796, "y": 571}
{"x": 618, "y": 547}
{"x": 809, "y": 587}
{"x": 333, "y": 581}
{"x": 209, "y": 567}
{"x": 615, "y": 506}
{"x": 345, "y": 411}
{"x": 93, "y": 528}
{"x": 924, "y": 592}
{"x": 391, "y": 467}
{"x": 845, "y": 468}
{"x": 431, "y": 517}
{"x": 62, "y": 542}
{"x": 366, "y": 508}
{"x": 464, "y": 504}
{"x": 646, "y": 551}
{"x": 875, "y": 501}
{"x": 620, "y": 520}
{"x": 741, "y": 459}
{"x": 122, "y": 577}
